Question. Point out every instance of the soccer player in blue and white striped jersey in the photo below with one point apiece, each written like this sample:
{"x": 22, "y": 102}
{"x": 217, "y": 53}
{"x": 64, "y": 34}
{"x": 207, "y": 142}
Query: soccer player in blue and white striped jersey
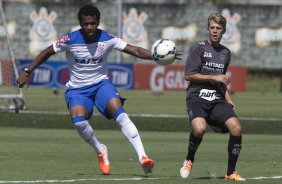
{"x": 87, "y": 50}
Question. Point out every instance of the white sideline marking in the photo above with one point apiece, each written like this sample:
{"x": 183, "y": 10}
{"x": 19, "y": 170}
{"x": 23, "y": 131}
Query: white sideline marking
{"x": 264, "y": 177}
{"x": 80, "y": 180}
{"x": 147, "y": 115}
{"x": 115, "y": 179}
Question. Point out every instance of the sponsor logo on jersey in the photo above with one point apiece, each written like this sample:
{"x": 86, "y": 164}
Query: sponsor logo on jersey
{"x": 62, "y": 40}
{"x": 207, "y": 55}
{"x": 214, "y": 65}
{"x": 89, "y": 61}
{"x": 207, "y": 94}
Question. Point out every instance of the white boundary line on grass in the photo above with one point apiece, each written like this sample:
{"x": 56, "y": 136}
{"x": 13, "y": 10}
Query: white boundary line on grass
{"x": 147, "y": 115}
{"x": 264, "y": 177}
{"x": 114, "y": 179}
{"x": 79, "y": 180}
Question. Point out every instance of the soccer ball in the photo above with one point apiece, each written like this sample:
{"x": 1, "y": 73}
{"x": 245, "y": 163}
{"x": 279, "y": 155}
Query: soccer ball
{"x": 163, "y": 51}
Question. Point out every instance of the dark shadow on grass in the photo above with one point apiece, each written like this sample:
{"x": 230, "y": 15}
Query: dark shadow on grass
{"x": 208, "y": 178}
{"x": 153, "y": 176}
{"x": 118, "y": 174}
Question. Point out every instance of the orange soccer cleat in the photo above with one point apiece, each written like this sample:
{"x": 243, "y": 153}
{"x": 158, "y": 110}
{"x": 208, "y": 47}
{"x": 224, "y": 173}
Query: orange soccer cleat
{"x": 234, "y": 177}
{"x": 147, "y": 164}
{"x": 104, "y": 164}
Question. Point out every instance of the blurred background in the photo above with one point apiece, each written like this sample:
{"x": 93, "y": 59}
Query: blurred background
{"x": 253, "y": 31}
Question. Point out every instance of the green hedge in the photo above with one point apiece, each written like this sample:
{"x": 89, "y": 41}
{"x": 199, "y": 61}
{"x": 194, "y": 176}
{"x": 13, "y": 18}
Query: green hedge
{"x": 269, "y": 72}
{"x": 142, "y": 123}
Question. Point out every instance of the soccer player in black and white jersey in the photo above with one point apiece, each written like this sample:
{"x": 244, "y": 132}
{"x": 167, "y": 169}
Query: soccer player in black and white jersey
{"x": 208, "y": 100}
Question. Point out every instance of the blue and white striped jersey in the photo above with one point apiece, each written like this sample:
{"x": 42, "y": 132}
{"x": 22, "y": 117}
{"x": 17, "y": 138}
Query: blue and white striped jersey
{"x": 87, "y": 61}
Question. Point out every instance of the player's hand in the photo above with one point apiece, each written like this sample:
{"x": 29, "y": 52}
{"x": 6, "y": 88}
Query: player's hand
{"x": 178, "y": 54}
{"x": 23, "y": 79}
{"x": 231, "y": 103}
{"x": 222, "y": 78}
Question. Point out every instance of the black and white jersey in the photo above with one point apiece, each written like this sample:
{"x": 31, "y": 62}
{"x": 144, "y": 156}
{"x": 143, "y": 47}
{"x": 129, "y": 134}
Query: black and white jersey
{"x": 205, "y": 59}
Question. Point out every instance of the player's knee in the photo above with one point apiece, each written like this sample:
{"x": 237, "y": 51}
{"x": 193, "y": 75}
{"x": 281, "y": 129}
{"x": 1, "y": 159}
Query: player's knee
{"x": 234, "y": 127}
{"x": 199, "y": 131}
{"x": 77, "y": 119}
{"x": 236, "y": 131}
{"x": 199, "y": 127}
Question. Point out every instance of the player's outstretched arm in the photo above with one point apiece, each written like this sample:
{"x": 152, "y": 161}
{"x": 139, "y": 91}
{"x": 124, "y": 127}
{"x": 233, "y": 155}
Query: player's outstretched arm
{"x": 42, "y": 57}
{"x": 137, "y": 52}
{"x": 146, "y": 54}
{"x": 178, "y": 54}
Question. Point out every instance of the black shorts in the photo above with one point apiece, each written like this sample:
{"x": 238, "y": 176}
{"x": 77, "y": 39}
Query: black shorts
{"x": 216, "y": 114}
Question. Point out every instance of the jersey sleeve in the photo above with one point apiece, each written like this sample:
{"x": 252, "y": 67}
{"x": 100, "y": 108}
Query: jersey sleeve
{"x": 227, "y": 62}
{"x": 120, "y": 44}
{"x": 61, "y": 44}
{"x": 193, "y": 62}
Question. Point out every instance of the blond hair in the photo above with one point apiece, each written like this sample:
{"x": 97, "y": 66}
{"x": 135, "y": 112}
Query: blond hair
{"x": 218, "y": 18}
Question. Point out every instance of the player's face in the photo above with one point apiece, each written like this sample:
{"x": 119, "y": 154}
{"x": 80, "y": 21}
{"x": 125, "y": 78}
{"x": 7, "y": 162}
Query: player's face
{"x": 89, "y": 25}
{"x": 215, "y": 32}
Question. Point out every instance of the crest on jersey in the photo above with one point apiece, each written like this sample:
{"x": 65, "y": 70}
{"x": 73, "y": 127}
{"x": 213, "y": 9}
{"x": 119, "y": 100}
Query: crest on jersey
{"x": 100, "y": 48}
{"x": 223, "y": 58}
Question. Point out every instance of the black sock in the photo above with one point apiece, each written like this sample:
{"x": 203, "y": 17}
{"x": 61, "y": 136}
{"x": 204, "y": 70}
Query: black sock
{"x": 194, "y": 143}
{"x": 234, "y": 148}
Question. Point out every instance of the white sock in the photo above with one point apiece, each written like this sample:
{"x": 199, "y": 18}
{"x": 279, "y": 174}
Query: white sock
{"x": 131, "y": 133}
{"x": 86, "y": 132}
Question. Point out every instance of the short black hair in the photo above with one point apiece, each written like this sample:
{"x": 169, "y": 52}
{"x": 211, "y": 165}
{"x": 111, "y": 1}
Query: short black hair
{"x": 88, "y": 10}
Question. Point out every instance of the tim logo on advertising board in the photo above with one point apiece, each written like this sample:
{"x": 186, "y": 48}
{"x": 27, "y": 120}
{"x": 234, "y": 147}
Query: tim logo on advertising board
{"x": 62, "y": 76}
{"x": 121, "y": 75}
{"x": 56, "y": 74}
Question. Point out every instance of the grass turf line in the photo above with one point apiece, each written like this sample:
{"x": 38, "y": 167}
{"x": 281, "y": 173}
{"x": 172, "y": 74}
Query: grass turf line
{"x": 29, "y": 154}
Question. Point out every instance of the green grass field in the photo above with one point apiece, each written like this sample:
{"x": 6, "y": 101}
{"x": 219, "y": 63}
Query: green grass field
{"x": 42, "y": 147}
{"x": 30, "y": 155}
